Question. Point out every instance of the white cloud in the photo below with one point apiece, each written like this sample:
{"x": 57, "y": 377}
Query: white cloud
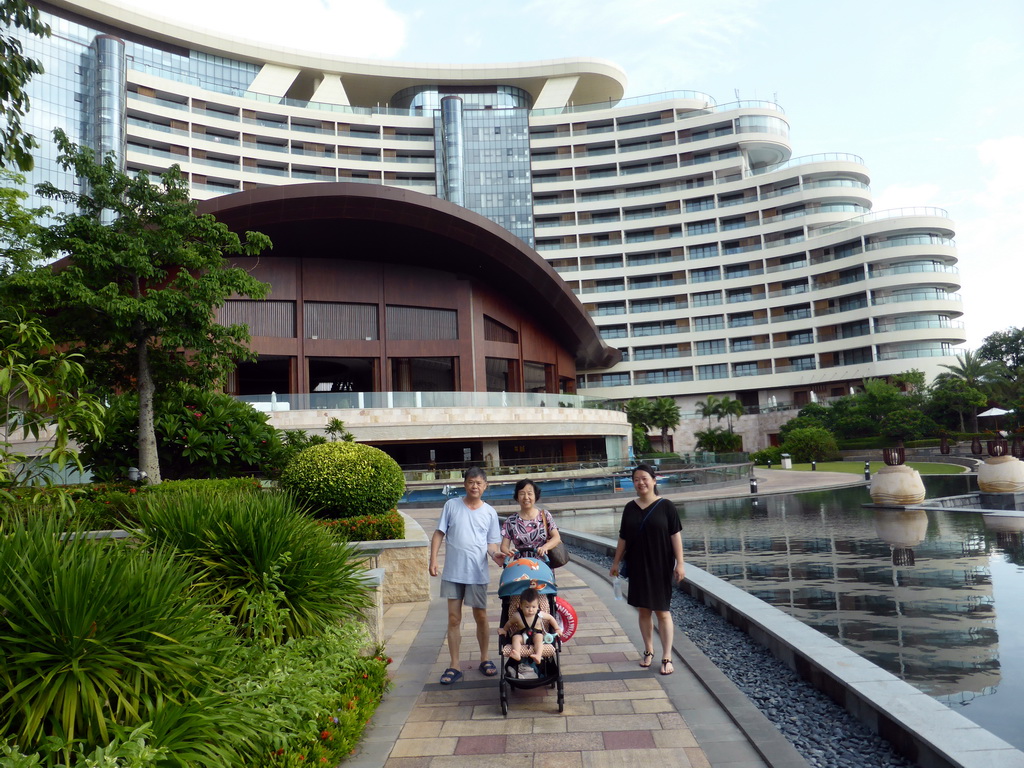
{"x": 344, "y": 28}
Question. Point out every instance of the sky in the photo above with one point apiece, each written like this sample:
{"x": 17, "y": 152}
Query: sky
{"x": 927, "y": 92}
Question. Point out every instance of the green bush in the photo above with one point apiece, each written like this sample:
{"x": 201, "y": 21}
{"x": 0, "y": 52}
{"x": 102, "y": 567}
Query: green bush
{"x": 863, "y": 443}
{"x": 386, "y": 527}
{"x": 317, "y": 694}
{"x": 290, "y": 444}
{"x": 718, "y": 440}
{"x": 345, "y": 479}
{"x": 99, "y": 637}
{"x": 245, "y": 486}
{"x": 771, "y": 454}
{"x": 199, "y": 434}
{"x": 811, "y": 444}
{"x": 249, "y": 547}
{"x": 931, "y": 442}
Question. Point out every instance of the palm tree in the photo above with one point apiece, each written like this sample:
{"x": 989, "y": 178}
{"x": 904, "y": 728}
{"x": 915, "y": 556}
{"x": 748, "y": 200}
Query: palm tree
{"x": 976, "y": 372}
{"x": 708, "y": 408}
{"x": 638, "y": 414}
{"x": 729, "y": 407}
{"x": 665, "y": 416}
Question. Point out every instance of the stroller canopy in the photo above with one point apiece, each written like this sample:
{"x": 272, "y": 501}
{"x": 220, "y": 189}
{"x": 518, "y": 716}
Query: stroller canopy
{"x": 524, "y": 573}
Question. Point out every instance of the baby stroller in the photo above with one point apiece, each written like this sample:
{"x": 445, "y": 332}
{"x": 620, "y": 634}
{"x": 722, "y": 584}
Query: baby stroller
{"x": 523, "y": 571}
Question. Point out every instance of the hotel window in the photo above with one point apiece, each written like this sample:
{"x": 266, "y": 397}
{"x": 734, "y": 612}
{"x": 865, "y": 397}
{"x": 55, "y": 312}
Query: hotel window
{"x": 707, "y": 299}
{"x": 710, "y": 323}
{"x": 744, "y": 369}
{"x": 717, "y": 371}
{"x": 705, "y": 275}
{"x": 714, "y": 347}
{"x": 613, "y": 332}
{"x": 700, "y": 227}
{"x": 743, "y": 345}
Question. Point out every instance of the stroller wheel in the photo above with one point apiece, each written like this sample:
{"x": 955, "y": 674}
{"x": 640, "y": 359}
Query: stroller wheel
{"x": 503, "y": 696}
{"x": 561, "y": 696}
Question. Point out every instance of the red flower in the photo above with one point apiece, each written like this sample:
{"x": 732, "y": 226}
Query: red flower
{"x": 325, "y": 735}
{"x": 131, "y": 490}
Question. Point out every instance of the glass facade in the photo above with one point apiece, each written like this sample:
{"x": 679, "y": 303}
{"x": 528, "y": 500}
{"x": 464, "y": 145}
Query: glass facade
{"x": 82, "y": 89}
{"x": 483, "y": 161}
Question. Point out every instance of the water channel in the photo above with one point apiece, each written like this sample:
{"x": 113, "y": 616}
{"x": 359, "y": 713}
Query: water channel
{"x": 936, "y": 597}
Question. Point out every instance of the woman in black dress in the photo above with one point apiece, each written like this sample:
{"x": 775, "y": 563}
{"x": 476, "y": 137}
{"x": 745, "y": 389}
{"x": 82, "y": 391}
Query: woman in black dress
{"x": 650, "y": 538}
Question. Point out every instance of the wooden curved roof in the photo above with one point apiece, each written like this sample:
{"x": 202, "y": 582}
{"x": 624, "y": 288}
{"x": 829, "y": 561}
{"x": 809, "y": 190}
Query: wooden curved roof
{"x": 372, "y": 222}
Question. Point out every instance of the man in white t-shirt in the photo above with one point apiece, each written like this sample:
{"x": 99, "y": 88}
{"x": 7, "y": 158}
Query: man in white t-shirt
{"x": 470, "y": 527}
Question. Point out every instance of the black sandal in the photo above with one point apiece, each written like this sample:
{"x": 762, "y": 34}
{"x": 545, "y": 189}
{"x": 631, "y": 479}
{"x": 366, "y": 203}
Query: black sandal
{"x": 649, "y": 658}
{"x": 669, "y": 663}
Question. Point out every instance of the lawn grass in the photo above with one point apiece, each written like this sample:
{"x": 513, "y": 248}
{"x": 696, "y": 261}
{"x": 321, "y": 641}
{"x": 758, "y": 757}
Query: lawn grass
{"x": 857, "y": 467}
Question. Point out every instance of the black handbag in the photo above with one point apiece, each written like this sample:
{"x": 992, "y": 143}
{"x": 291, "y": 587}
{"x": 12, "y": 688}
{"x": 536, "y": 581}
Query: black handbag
{"x": 557, "y": 555}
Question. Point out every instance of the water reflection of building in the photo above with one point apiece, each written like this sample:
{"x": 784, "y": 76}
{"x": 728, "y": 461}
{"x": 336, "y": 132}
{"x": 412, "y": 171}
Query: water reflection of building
{"x": 932, "y": 624}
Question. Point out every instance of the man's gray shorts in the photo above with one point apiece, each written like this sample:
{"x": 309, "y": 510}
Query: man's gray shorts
{"x": 473, "y": 595}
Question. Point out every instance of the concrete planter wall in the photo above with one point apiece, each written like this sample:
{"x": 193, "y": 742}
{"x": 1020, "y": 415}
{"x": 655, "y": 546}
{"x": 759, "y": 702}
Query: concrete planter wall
{"x": 404, "y": 562}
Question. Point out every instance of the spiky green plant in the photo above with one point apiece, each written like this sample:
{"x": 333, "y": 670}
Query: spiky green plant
{"x": 98, "y": 637}
{"x": 248, "y": 547}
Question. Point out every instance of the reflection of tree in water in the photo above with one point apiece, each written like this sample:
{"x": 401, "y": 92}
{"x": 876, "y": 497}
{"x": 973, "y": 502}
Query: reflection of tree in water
{"x": 1012, "y": 545}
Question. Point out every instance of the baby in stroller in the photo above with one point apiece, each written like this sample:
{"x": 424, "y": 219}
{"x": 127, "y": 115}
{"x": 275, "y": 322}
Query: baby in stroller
{"x": 529, "y": 624}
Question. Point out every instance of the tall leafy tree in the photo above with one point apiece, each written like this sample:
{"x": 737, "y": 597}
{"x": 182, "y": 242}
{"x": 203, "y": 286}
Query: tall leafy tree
{"x": 42, "y": 399}
{"x": 665, "y": 416}
{"x": 728, "y": 408}
{"x": 638, "y": 414}
{"x": 951, "y": 398}
{"x": 708, "y": 408}
{"x": 979, "y": 373}
{"x": 1006, "y": 347}
{"x": 16, "y": 70}
{"x": 141, "y": 278}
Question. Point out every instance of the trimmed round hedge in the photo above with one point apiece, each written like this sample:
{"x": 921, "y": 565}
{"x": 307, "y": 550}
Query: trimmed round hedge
{"x": 345, "y": 479}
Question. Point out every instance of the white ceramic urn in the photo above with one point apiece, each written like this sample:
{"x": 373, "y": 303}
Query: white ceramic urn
{"x": 1001, "y": 474}
{"x": 897, "y": 486}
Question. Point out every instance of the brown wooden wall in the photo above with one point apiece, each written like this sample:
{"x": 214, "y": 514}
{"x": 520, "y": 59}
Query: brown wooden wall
{"x": 328, "y": 279}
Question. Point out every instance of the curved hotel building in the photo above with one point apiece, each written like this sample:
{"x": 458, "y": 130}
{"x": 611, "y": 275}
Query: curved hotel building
{"x": 708, "y": 254}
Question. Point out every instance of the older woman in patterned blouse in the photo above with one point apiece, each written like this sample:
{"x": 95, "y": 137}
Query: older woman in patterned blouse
{"x": 530, "y": 527}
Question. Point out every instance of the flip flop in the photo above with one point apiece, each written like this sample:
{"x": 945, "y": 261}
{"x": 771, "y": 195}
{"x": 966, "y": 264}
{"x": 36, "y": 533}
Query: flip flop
{"x": 488, "y": 668}
{"x": 450, "y": 676}
{"x": 668, "y": 663}
{"x": 648, "y": 657}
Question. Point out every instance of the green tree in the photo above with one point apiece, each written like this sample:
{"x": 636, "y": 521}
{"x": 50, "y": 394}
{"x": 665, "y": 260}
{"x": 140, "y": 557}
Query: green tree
{"x": 15, "y": 71}
{"x": 718, "y": 440}
{"x": 199, "y": 434}
{"x": 907, "y": 424}
{"x": 19, "y": 230}
{"x": 708, "y": 408}
{"x": 729, "y": 408}
{"x": 977, "y": 372}
{"x": 952, "y": 397}
{"x": 1006, "y": 347}
{"x": 810, "y": 444}
{"x": 639, "y": 414}
{"x": 909, "y": 381}
{"x": 139, "y": 293}
{"x": 665, "y": 416}
{"x": 42, "y": 397}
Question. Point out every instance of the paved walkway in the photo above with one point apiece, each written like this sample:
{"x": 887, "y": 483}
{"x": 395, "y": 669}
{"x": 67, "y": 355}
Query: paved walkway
{"x": 616, "y": 714}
